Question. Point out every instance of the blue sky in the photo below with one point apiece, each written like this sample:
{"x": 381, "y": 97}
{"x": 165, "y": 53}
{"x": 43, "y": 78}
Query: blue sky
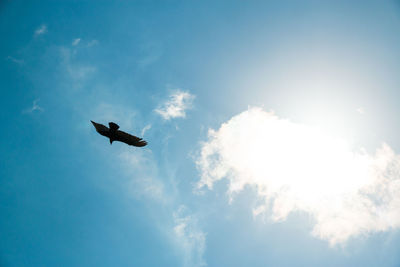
{"x": 272, "y": 131}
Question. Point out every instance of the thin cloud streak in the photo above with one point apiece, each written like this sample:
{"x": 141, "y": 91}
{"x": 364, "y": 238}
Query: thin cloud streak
{"x": 142, "y": 179}
{"x": 41, "y": 30}
{"x": 189, "y": 237}
{"x": 93, "y": 43}
{"x": 76, "y": 41}
{"x": 35, "y": 107}
{"x": 15, "y": 60}
{"x": 145, "y": 129}
{"x": 77, "y": 71}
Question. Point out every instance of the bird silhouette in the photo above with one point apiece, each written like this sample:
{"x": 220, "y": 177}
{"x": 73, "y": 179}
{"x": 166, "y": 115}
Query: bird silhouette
{"x": 116, "y": 135}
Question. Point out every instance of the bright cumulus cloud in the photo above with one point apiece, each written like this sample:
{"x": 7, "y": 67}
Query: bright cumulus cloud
{"x": 293, "y": 167}
{"x": 176, "y": 105}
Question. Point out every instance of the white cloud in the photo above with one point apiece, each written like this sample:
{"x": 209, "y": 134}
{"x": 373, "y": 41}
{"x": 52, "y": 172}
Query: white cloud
{"x": 41, "y": 30}
{"x": 184, "y": 234}
{"x": 144, "y": 182}
{"x": 189, "y": 237}
{"x": 145, "y": 129}
{"x": 17, "y": 61}
{"x": 76, "y": 41}
{"x": 35, "y": 107}
{"x": 93, "y": 43}
{"x": 77, "y": 71}
{"x": 176, "y": 105}
{"x": 140, "y": 177}
{"x": 140, "y": 166}
{"x": 293, "y": 167}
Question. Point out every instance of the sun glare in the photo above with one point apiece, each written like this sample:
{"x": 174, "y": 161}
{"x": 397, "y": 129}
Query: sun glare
{"x": 298, "y": 167}
{"x": 304, "y": 160}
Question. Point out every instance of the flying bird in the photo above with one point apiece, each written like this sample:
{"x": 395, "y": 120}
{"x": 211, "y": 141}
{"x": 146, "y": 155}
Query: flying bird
{"x": 116, "y": 135}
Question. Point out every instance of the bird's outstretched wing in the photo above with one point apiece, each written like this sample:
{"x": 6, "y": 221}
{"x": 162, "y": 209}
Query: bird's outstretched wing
{"x": 129, "y": 139}
{"x": 101, "y": 129}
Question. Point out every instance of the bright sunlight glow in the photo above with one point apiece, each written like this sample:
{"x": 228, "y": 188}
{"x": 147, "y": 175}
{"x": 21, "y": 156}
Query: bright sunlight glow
{"x": 296, "y": 167}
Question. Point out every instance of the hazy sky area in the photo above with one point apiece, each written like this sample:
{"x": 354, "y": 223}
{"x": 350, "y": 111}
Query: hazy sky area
{"x": 272, "y": 127}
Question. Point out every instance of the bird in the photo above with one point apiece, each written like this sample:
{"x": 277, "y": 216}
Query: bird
{"x": 116, "y": 135}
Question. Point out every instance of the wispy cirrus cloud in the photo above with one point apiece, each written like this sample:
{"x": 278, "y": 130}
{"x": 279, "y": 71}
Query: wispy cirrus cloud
{"x": 144, "y": 182}
{"x": 145, "y": 129}
{"x": 138, "y": 166}
{"x": 76, "y": 70}
{"x": 76, "y": 41}
{"x": 140, "y": 177}
{"x": 141, "y": 167}
{"x": 34, "y": 108}
{"x": 176, "y": 105}
{"x": 189, "y": 237}
{"x": 41, "y": 30}
{"x": 92, "y": 43}
{"x": 293, "y": 167}
{"x": 184, "y": 233}
{"x": 15, "y": 60}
